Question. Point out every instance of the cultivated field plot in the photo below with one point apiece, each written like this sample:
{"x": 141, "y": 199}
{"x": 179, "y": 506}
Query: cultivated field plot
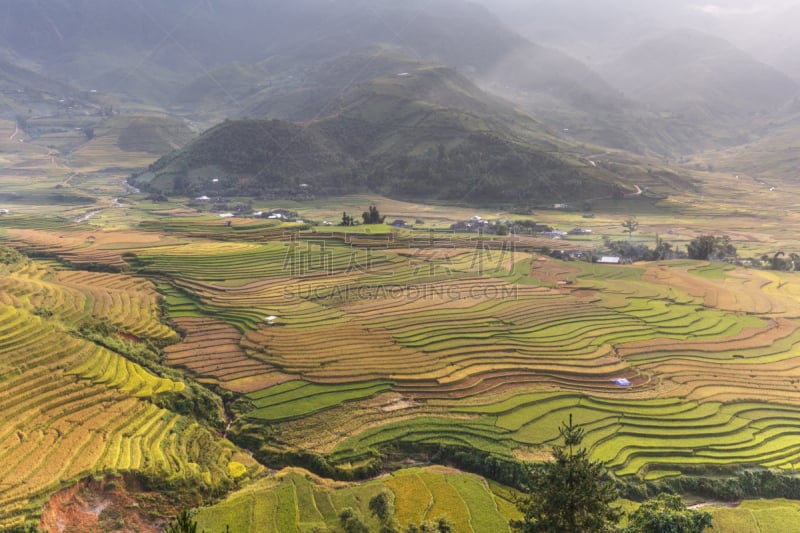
{"x": 318, "y": 331}
{"x": 362, "y": 347}
{"x": 71, "y": 407}
{"x": 344, "y": 345}
{"x": 757, "y": 515}
{"x": 294, "y": 501}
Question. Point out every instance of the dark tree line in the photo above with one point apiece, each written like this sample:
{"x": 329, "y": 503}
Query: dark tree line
{"x": 707, "y": 247}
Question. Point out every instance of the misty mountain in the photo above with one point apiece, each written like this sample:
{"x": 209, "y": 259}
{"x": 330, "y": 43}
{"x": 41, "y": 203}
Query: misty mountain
{"x": 598, "y": 31}
{"x": 772, "y": 152}
{"x": 699, "y": 77}
{"x": 397, "y": 135}
{"x": 23, "y": 91}
{"x": 212, "y": 59}
{"x": 594, "y": 31}
{"x": 165, "y": 52}
{"x": 276, "y": 88}
{"x": 771, "y": 36}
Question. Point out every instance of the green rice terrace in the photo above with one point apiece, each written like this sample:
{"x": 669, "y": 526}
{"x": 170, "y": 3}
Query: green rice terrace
{"x": 272, "y": 374}
{"x": 345, "y": 351}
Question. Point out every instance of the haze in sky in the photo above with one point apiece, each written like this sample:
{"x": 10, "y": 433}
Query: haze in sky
{"x": 596, "y": 31}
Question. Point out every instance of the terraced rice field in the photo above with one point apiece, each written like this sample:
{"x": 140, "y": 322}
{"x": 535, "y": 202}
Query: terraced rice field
{"x": 129, "y": 303}
{"x": 79, "y": 245}
{"x": 448, "y": 345}
{"x": 71, "y": 408}
{"x": 211, "y": 349}
{"x": 757, "y": 515}
{"x": 295, "y": 502}
{"x": 342, "y": 347}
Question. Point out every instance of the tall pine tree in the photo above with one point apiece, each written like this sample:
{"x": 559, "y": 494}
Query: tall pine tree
{"x": 570, "y": 494}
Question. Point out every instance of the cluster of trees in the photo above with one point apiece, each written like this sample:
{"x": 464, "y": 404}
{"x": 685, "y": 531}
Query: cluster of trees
{"x": 371, "y": 216}
{"x": 704, "y": 247}
{"x": 733, "y": 485}
{"x": 10, "y": 256}
{"x": 707, "y": 247}
{"x": 782, "y": 261}
{"x": 640, "y": 252}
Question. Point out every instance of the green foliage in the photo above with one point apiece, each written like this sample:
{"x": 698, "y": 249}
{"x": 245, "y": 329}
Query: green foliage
{"x": 372, "y": 216}
{"x": 9, "y": 256}
{"x": 183, "y": 524}
{"x": 347, "y": 220}
{"x": 97, "y": 328}
{"x": 350, "y": 522}
{"x": 43, "y": 312}
{"x": 381, "y": 506}
{"x": 667, "y": 514}
{"x": 707, "y": 247}
{"x": 194, "y": 399}
{"x": 731, "y": 485}
{"x": 504, "y": 470}
{"x": 779, "y": 261}
{"x": 295, "y": 399}
{"x": 639, "y": 252}
{"x": 570, "y": 494}
{"x": 630, "y": 224}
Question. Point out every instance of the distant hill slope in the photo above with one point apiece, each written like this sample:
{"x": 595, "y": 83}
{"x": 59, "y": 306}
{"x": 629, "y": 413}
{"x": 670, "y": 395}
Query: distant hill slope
{"x": 395, "y": 135}
{"x": 151, "y": 134}
{"x": 772, "y": 153}
{"x": 130, "y": 141}
{"x": 703, "y": 78}
{"x": 24, "y": 92}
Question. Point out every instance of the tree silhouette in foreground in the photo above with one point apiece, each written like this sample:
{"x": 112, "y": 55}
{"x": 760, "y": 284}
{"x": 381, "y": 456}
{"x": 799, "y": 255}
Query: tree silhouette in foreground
{"x": 570, "y": 494}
